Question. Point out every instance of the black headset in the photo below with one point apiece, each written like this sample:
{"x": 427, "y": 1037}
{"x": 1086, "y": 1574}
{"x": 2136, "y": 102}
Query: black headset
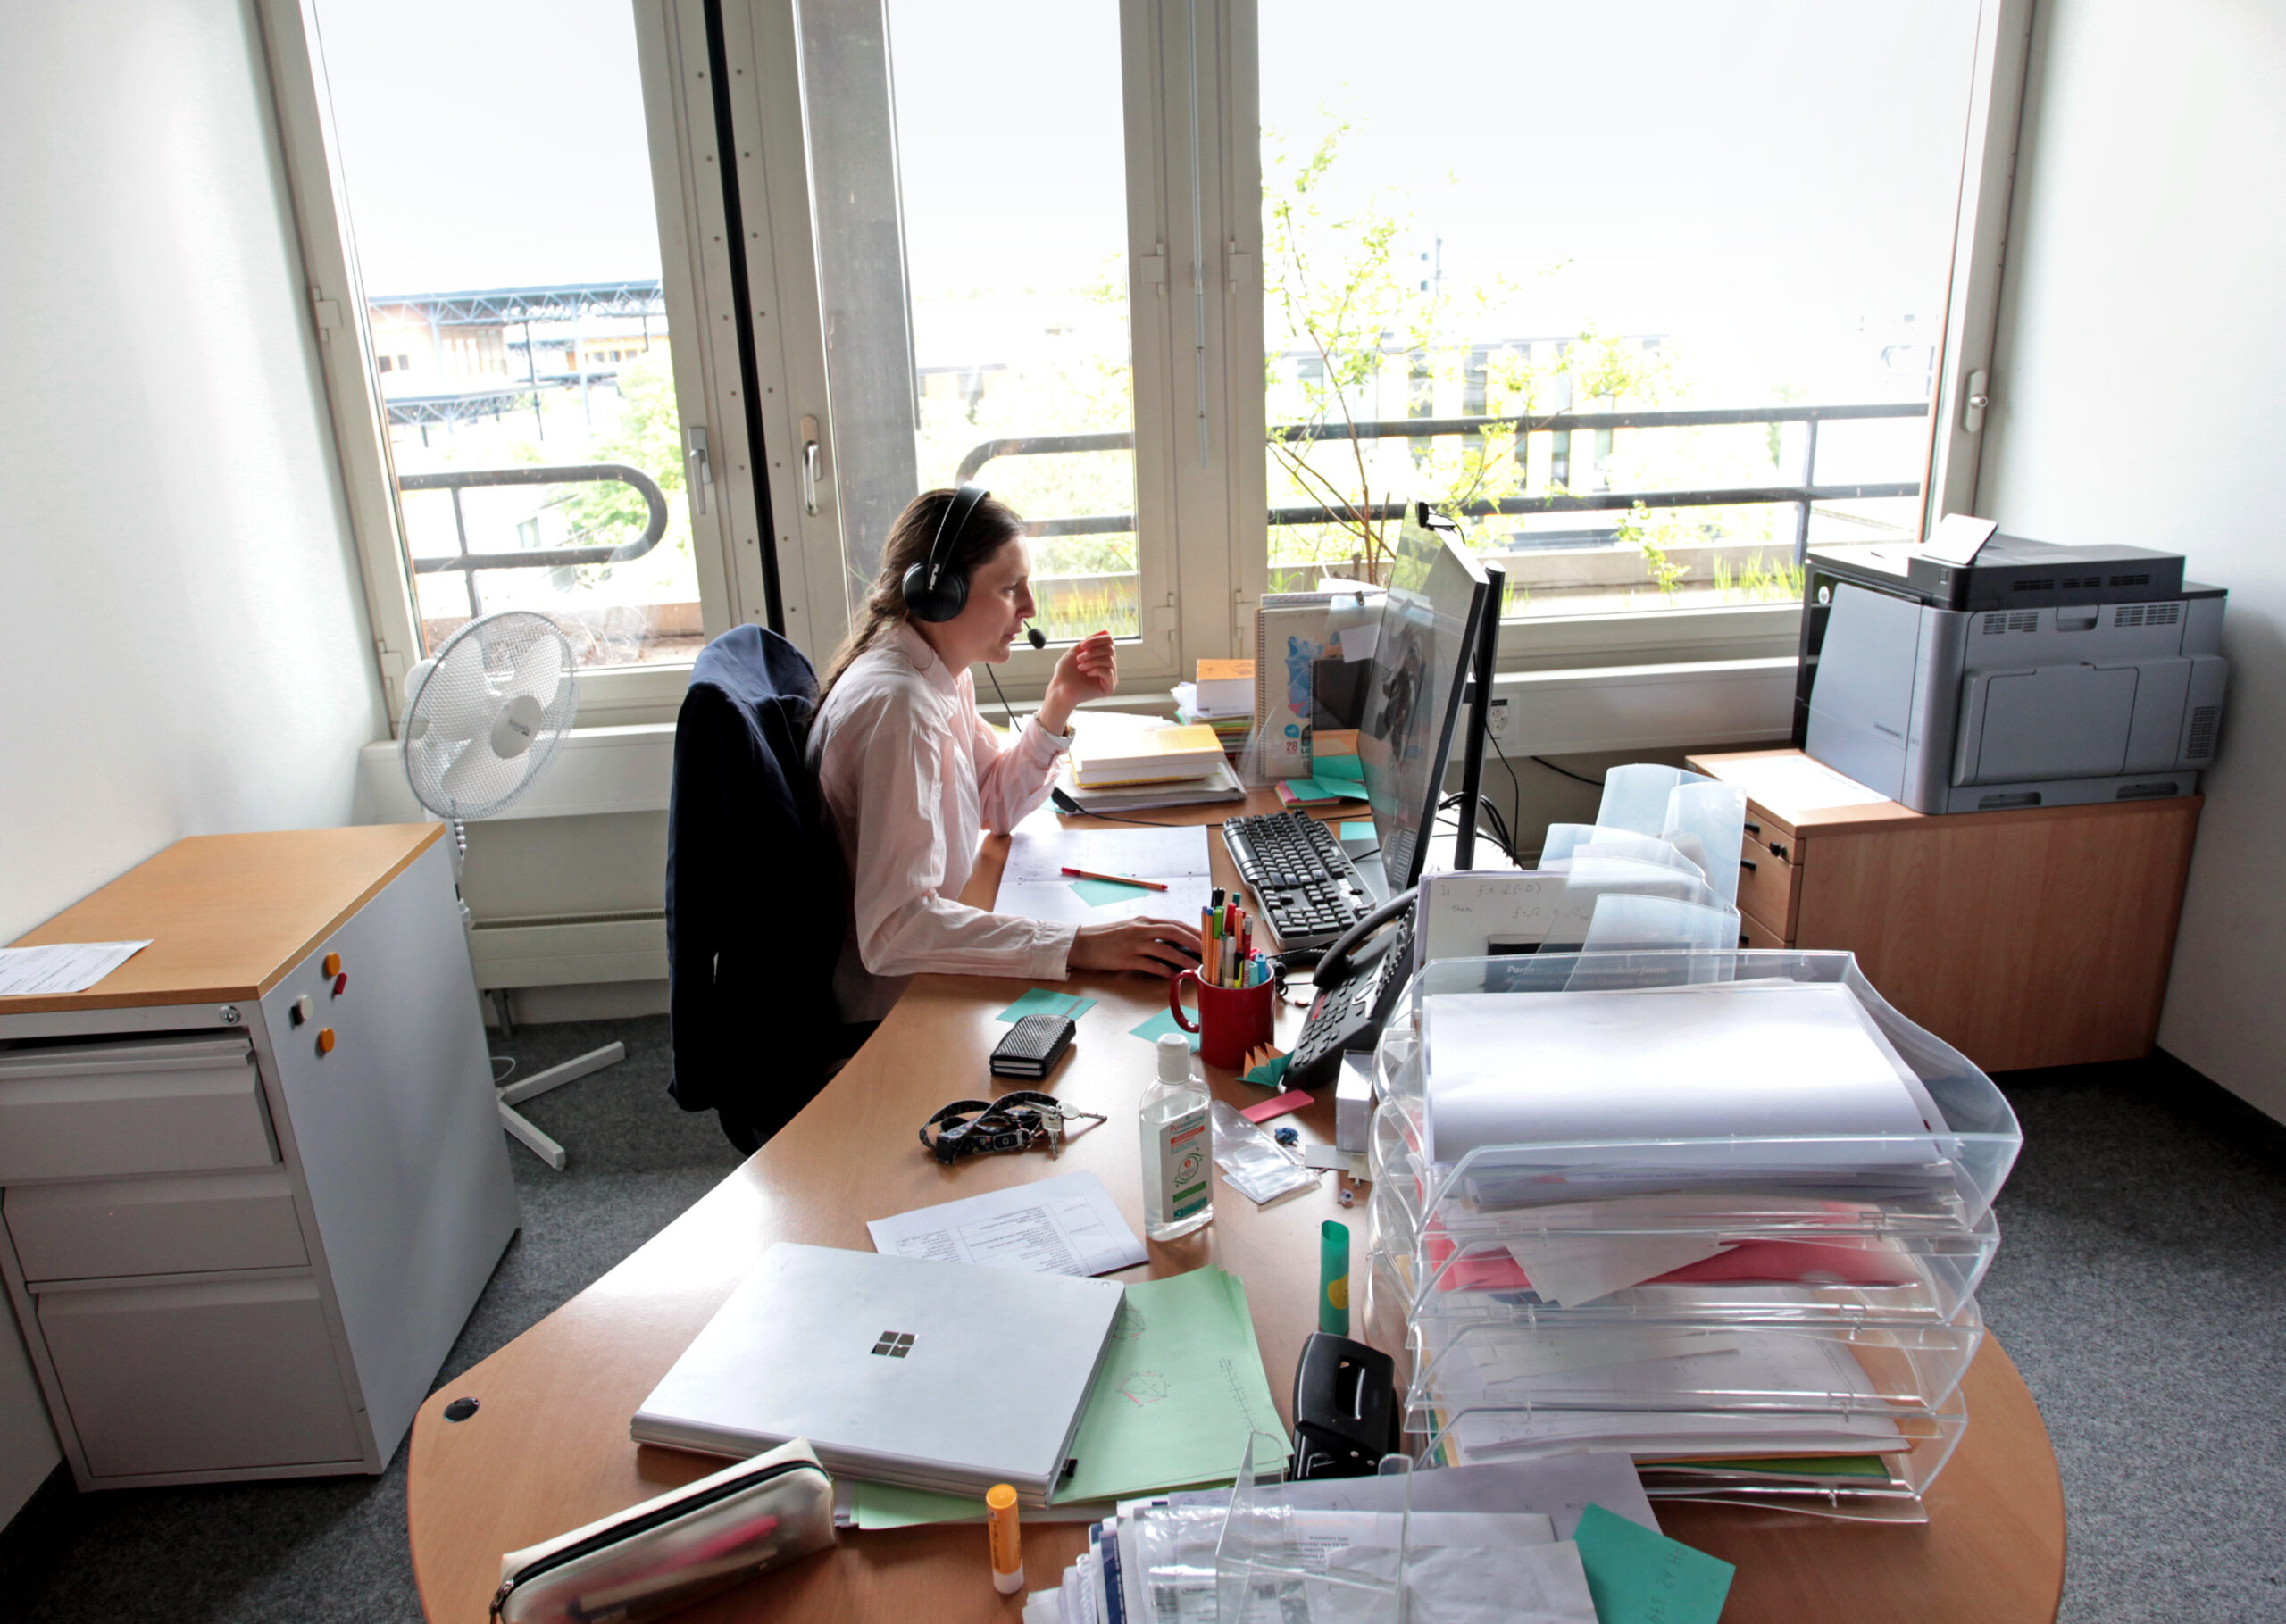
{"x": 936, "y": 591}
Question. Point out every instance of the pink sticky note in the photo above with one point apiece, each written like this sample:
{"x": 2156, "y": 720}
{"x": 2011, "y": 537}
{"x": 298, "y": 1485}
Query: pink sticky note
{"x": 1292, "y": 1100}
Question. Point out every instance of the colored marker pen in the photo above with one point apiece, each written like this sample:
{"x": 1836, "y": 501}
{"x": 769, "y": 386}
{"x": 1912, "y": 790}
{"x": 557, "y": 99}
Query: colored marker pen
{"x": 1006, "y": 1539}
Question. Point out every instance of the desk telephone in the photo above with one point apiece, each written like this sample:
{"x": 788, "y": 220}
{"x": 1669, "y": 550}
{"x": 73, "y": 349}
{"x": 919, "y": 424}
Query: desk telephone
{"x": 1358, "y": 980}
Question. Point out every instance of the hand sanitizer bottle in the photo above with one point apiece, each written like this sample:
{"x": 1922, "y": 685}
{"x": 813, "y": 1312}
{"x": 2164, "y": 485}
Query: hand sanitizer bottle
{"x": 1178, "y": 1148}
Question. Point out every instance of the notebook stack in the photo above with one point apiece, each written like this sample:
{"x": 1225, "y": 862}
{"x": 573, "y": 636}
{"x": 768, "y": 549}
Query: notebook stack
{"x": 1222, "y": 698}
{"x": 1147, "y": 756}
{"x": 1726, "y": 1213}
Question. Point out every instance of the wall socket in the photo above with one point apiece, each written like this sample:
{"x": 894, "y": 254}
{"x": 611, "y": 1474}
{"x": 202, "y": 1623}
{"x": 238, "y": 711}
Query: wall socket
{"x": 1497, "y": 722}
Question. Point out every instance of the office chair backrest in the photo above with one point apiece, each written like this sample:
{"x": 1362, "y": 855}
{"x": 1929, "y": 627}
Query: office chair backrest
{"x": 757, "y": 902}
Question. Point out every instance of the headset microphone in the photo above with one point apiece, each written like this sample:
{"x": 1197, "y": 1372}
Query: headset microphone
{"x": 1034, "y": 636}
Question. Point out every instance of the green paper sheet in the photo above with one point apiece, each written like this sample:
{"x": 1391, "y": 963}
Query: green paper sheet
{"x": 1359, "y": 829}
{"x": 1310, "y": 790}
{"x": 1103, "y": 892}
{"x": 1040, "y": 1001}
{"x": 1180, "y": 1392}
{"x": 1165, "y": 1021}
{"x": 1268, "y": 1073}
{"x": 1638, "y": 1576}
{"x": 891, "y": 1505}
{"x": 1349, "y": 768}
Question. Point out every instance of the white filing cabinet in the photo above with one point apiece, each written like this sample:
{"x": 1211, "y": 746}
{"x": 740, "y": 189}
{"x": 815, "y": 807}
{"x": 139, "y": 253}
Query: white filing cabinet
{"x": 241, "y": 1240}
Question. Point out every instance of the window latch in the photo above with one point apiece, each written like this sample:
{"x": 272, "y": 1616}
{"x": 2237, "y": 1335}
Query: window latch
{"x": 809, "y": 466}
{"x": 1972, "y": 408}
{"x": 698, "y": 469}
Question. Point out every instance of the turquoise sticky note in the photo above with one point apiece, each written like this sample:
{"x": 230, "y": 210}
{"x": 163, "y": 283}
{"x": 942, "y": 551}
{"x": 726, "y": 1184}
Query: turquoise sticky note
{"x": 1268, "y": 1073}
{"x": 1637, "y": 1577}
{"x": 1040, "y": 1001}
{"x": 1349, "y": 768}
{"x": 1103, "y": 892}
{"x": 1356, "y": 829}
{"x": 1151, "y": 1031}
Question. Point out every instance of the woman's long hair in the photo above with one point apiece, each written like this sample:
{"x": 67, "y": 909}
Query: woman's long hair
{"x": 992, "y": 526}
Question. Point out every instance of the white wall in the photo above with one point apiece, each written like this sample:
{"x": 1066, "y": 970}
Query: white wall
{"x": 2141, "y": 397}
{"x": 182, "y": 641}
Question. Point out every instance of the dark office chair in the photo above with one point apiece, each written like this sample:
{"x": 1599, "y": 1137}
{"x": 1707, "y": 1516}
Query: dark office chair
{"x": 756, "y": 901}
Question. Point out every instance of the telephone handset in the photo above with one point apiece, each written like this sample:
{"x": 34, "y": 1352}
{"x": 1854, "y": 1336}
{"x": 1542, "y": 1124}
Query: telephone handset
{"x": 1358, "y": 980}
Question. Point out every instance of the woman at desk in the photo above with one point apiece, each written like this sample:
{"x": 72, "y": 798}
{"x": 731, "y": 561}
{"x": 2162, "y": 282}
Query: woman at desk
{"x": 912, "y": 776}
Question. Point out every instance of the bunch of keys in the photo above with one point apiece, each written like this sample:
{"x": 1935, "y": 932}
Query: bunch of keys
{"x": 1017, "y": 1120}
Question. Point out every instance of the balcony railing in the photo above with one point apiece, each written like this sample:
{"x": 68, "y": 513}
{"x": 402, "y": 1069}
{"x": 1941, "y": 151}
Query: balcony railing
{"x": 458, "y": 479}
{"x": 1803, "y": 492}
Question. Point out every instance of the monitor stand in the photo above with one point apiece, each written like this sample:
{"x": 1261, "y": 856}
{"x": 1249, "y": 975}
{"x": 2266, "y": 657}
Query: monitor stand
{"x": 1480, "y": 725}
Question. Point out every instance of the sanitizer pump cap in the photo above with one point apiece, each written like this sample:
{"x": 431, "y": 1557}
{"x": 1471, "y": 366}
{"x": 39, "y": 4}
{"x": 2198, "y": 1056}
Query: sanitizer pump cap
{"x": 1174, "y": 1058}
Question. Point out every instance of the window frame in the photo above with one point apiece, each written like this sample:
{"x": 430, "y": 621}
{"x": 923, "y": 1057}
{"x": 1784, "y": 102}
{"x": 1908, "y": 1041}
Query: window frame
{"x": 1202, "y": 531}
{"x": 696, "y": 281}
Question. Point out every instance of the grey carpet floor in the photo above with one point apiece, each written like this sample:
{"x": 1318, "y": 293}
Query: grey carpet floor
{"x": 2140, "y": 1288}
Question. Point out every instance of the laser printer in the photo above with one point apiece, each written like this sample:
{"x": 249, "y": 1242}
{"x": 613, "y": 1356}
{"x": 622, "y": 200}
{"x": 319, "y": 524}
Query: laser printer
{"x": 2032, "y": 675}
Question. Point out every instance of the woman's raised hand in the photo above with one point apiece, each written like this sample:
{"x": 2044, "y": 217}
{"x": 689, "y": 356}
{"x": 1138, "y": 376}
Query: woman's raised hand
{"x": 1088, "y": 669}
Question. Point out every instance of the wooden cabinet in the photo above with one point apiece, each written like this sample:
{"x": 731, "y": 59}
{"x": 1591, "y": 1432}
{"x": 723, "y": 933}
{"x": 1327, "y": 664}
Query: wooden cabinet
{"x": 251, "y": 1182}
{"x": 2036, "y": 937}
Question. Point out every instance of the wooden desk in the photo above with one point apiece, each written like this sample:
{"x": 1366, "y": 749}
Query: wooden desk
{"x": 2036, "y": 937}
{"x": 549, "y": 1448}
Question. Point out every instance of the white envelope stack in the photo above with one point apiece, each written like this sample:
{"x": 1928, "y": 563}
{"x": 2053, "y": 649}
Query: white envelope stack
{"x": 1725, "y": 1211}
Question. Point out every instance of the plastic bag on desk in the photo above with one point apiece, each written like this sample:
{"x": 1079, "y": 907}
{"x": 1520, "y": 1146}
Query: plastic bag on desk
{"x": 1253, "y": 1163}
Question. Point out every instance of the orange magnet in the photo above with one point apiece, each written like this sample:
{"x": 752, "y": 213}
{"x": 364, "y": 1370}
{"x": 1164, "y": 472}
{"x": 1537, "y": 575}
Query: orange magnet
{"x": 325, "y": 1040}
{"x": 333, "y": 965}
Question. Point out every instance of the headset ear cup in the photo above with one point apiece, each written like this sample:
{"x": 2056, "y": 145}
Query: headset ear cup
{"x": 942, "y": 603}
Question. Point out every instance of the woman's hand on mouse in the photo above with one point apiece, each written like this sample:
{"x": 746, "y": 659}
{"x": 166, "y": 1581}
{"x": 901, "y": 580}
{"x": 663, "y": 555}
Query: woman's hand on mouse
{"x": 1088, "y": 669}
{"x": 1160, "y": 947}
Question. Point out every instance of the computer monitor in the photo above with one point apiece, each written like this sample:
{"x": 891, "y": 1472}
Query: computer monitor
{"x": 1438, "y": 596}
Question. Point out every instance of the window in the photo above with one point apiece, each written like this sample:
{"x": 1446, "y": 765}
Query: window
{"x": 1672, "y": 313}
{"x": 1205, "y": 287}
{"x": 1649, "y": 296}
{"x": 537, "y": 394}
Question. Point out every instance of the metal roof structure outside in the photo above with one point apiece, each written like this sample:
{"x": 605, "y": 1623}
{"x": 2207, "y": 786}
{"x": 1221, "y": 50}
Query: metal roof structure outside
{"x": 556, "y": 302}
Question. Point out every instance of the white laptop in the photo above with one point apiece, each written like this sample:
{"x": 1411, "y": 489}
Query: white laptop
{"x": 942, "y": 1376}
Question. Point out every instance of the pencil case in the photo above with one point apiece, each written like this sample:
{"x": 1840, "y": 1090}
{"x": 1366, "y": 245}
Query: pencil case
{"x": 673, "y": 1550}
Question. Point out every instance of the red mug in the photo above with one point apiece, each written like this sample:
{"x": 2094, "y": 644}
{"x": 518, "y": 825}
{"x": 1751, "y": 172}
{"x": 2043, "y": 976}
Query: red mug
{"x": 1232, "y": 1019}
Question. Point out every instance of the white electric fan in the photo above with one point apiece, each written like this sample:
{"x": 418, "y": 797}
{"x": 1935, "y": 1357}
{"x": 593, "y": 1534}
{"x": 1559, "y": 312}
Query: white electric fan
{"x": 483, "y": 717}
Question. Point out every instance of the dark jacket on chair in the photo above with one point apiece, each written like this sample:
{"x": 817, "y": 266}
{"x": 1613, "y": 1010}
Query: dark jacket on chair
{"x": 756, "y": 899}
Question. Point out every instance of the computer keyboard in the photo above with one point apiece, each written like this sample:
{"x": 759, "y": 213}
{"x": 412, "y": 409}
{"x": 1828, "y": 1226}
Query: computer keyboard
{"x": 1309, "y": 889}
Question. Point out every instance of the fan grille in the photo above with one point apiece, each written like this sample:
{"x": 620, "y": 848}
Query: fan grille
{"x": 453, "y": 721}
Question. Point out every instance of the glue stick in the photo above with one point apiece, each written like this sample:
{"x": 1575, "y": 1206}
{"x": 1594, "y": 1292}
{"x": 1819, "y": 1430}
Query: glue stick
{"x": 1333, "y": 1278}
{"x": 1006, "y": 1539}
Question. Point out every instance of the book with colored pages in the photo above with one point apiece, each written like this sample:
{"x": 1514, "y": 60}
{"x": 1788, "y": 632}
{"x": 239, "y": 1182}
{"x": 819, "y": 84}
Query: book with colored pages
{"x": 1225, "y": 687}
{"x": 1154, "y": 755}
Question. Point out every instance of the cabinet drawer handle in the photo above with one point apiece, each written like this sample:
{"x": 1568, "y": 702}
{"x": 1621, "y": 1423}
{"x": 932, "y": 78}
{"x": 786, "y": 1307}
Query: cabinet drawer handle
{"x": 1754, "y": 828}
{"x": 1777, "y": 848}
{"x": 1747, "y": 865}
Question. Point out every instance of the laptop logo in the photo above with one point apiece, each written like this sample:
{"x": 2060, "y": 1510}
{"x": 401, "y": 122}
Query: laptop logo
{"x": 893, "y": 1344}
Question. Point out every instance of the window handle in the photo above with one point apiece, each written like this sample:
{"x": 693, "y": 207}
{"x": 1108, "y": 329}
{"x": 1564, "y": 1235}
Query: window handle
{"x": 698, "y": 469}
{"x": 810, "y": 465}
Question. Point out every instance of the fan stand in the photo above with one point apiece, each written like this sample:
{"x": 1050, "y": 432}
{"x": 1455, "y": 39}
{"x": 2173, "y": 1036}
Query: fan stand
{"x": 510, "y": 1096}
{"x": 513, "y": 1094}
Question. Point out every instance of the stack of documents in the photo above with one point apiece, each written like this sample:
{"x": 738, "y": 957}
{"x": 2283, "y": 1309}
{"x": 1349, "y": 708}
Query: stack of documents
{"x": 1725, "y": 1211}
{"x": 1570, "y": 1540}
